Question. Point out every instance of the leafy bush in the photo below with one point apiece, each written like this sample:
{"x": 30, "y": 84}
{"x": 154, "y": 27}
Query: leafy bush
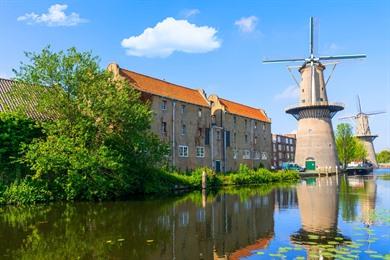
{"x": 259, "y": 176}
{"x": 16, "y": 130}
{"x": 26, "y": 191}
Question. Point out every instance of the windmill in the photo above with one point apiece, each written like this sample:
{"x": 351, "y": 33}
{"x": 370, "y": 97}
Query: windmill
{"x": 363, "y": 132}
{"x": 315, "y": 145}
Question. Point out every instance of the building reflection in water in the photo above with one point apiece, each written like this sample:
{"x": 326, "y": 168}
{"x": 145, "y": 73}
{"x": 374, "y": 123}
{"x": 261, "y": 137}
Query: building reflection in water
{"x": 227, "y": 227}
{"x": 318, "y": 205}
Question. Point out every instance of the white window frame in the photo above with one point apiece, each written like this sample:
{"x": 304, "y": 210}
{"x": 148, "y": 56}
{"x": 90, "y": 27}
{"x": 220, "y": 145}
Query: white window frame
{"x": 183, "y": 129}
{"x": 164, "y": 105}
{"x": 246, "y": 155}
{"x": 200, "y": 152}
{"x": 183, "y": 151}
{"x": 200, "y": 112}
{"x": 235, "y": 154}
{"x": 257, "y": 155}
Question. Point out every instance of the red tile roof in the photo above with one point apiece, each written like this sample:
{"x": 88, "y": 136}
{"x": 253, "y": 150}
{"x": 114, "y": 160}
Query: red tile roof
{"x": 248, "y": 250}
{"x": 243, "y": 110}
{"x": 164, "y": 89}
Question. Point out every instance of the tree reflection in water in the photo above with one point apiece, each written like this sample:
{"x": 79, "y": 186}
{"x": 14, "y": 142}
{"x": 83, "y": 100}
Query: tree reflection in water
{"x": 231, "y": 223}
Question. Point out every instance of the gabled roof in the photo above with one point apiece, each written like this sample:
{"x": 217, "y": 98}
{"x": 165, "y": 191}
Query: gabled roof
{"x": 10, "y": 101}
{"x": 243, "y": 110}
{"x": 164, "y": 89}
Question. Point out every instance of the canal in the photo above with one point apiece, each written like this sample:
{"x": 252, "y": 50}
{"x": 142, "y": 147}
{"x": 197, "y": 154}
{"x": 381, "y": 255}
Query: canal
{"x": 319, "y": 218}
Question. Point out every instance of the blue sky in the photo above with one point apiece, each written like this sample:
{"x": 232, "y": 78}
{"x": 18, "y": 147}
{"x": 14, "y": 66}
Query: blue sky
{"x": 222, "y": 49}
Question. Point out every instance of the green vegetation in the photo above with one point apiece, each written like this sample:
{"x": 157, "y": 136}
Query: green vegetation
{"x": 95, "y": 142}
{"x": 383, "y": 156}
{"x": 15, "y": 131}
{"x": 349, "y": 148}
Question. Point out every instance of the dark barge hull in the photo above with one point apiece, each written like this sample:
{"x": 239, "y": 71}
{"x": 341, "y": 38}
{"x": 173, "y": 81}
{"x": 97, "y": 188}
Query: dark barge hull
{"x": 359, "y": 170}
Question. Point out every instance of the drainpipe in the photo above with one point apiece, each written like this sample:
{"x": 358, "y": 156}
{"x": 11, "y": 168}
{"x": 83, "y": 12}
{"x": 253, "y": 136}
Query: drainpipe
{"x": 224, "y": 141}
{"x": 253, "y": 144}
{"x": 212, "y": 145}
{"x": 173, "y": 133}
{"x": 224, "y": 150}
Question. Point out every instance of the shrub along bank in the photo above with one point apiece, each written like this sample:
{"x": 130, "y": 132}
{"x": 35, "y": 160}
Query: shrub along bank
{"x": 29, "y": 190}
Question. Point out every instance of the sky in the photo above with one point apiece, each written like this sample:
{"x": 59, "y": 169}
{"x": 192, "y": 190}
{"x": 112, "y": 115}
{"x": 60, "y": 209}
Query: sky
{"x": 219, "y": 46}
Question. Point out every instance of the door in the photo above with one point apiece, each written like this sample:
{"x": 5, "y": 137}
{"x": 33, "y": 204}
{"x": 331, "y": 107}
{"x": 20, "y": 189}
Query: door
{"x": 218, "y": 166}
{"x": 310, "y": 165}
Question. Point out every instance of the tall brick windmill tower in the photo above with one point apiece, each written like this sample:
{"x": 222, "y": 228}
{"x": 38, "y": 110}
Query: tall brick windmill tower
{"x": 315, "y": 145}
{"x": 363, "y": 131}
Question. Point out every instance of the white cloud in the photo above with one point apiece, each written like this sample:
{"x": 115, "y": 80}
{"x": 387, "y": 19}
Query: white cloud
{"x": 247, "y": 24}
{"x": 291, "y": 92}
{"x": 172, "y": 35}
{"x": 54, "y": 17}
{"x": 190, "y": 12}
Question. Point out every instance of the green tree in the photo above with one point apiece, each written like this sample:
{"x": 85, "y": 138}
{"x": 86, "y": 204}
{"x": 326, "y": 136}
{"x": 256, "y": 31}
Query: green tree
{"x": 15, "y": 131}
{"x": 360, "y": 153}
{"x": 98, "y": 143}
{"x": 345, "y": 143}
{"x": 383, "y": 156}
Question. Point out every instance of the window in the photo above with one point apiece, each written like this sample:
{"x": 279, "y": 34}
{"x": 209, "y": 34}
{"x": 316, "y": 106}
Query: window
{"x": 184, "y": 219}
{"x": 227, "y": 138}
{"x": 255, "y": 125}
{"x": 246, "y": 123}
{"x": 279, "y": 147}
{"x": 246, "y": 138}
{"x": 183, "y": 108}
{"x": 235, "y": 120}
{"x": 246, "y": 155}
{"x": 200, "y": 132}
{"x": 264, "y": 156}
{"x": 235, "y": 154}
{"x": 255, "y": 140}
{"x": 199, "y": 112}
{"x": 183, "y": 151}
{"x": 200, "y": 151}
{"x": 163, "y": 127}
{"x": 278, "y": 138}
{"x": 164, "y": 105}
{"x": 207, "y": 136}
{"x": 263, "y": 126}
{"x": 234, "y": 137}
{"x": 257, "y": 155}
{"x": 183, "y": 129}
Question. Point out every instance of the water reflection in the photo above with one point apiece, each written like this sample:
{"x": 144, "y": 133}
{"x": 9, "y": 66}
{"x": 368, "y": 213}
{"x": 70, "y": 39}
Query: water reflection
{"x": 318, "y": 200}
{"x": 227, "y": 225}
{"x": 364, "y": 190}
{"x": 232, "y": 224}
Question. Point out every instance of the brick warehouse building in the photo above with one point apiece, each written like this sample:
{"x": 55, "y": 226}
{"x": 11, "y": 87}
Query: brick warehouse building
{"x": 201, "y": 131}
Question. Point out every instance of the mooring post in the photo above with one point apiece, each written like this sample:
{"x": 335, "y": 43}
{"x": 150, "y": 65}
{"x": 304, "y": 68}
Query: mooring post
{"x": 204, "y": 198}
{"x": 204, "y": 179}
{"x": 337, "y": 170}
{"x": 326, "y": 170}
